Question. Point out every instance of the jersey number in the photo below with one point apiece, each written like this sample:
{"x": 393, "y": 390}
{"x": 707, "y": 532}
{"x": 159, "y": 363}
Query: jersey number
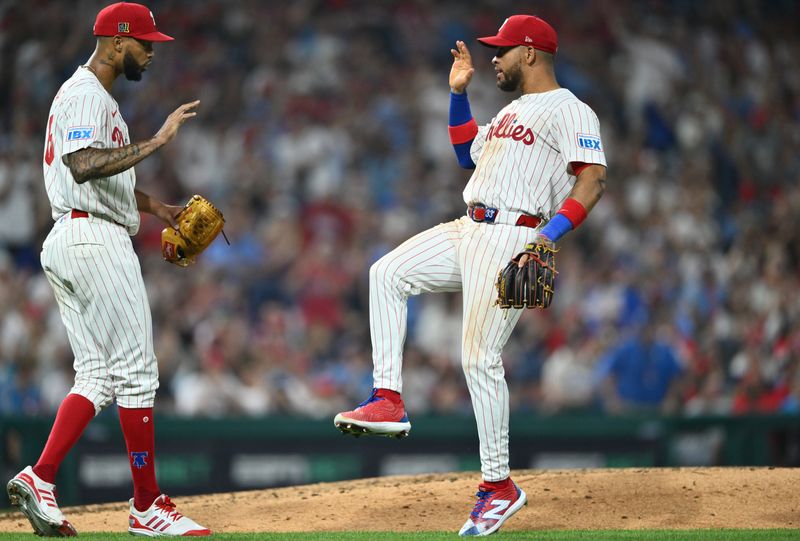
{"x": 49, "y": 149}
{"x": 117, "y": 137}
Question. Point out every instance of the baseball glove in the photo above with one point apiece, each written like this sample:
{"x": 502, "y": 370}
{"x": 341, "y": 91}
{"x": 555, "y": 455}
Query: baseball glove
{"x": 199, "y": 223}
{"x": 533, "y": 284}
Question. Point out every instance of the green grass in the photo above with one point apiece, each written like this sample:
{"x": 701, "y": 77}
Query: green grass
{"x": 594, "y": 535}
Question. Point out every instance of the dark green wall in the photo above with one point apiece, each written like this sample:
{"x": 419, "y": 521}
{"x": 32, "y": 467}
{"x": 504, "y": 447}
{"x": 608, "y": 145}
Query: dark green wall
{"x": 216, "y": 455}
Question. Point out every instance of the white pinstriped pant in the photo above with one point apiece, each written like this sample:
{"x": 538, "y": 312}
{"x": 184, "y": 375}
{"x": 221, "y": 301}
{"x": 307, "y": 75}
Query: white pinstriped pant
{"x": 97, "y": 281}
{"x": 461, "y": 255}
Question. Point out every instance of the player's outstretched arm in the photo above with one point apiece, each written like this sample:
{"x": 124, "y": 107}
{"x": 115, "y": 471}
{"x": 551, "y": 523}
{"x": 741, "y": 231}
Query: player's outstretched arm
{"x": 91, "y": 163}
{"x": 462, "y": 127}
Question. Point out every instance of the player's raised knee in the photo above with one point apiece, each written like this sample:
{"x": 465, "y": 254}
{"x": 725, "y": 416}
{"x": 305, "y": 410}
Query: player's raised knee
{"x": 380, "y": 274}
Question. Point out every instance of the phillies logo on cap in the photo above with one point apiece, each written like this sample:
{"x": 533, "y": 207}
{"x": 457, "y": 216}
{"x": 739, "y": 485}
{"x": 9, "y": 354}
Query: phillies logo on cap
{"x": 527, "y": 30}
{"x": 130, "y": 20}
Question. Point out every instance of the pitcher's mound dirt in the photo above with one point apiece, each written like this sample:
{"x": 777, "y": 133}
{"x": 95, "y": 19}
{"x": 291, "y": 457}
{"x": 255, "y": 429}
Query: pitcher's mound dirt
{"x": 675, "y": 498}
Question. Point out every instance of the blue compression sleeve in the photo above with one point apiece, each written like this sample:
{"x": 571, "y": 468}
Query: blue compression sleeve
{"x": 462, "y": 128}
{"x": 463, "y": 155}
{"x": 460, "y": 112}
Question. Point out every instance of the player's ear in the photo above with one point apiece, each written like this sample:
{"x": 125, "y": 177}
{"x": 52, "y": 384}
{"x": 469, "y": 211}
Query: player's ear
{"x": 117, "y": 43}
{"x": 530, "y": 56}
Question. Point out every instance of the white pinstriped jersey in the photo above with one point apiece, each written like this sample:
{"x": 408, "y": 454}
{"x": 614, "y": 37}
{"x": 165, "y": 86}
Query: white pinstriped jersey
{"x": 84, "y": 114}
{"x": 522, "y": 156}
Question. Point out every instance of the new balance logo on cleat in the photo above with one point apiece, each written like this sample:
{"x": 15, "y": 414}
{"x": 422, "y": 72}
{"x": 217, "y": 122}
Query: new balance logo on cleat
{"x": 377, "y": 416}
{"x": 492, "y": 509}
{"x": 497, "y": 512}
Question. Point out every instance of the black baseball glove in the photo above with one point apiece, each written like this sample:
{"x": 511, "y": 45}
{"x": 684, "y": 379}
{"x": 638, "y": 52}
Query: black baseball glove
{"x": 532, "y": 284}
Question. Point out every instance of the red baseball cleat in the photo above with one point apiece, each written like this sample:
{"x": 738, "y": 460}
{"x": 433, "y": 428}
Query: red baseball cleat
{"x": 376, "y": 415}
{"x": 492, "y": 509}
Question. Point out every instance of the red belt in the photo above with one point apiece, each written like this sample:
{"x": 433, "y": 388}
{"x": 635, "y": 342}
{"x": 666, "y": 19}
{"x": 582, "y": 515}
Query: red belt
{"x": 483, "y": 214}
{"x": 528, "y": 221}
{"x": 74, "y": 213}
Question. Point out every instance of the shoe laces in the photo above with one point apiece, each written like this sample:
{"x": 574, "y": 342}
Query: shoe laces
{"x": 169, "y": 508}
{"x": 483, "y": 499}
{"x": 372, "y": 398}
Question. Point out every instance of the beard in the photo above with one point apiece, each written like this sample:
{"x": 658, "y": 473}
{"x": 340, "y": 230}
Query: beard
{"x": 133, "y": 71}
{"x": 512, "y": 79}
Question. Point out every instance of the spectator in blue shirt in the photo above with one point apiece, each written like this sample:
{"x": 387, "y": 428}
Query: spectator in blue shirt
{"x": 641, "y": 374}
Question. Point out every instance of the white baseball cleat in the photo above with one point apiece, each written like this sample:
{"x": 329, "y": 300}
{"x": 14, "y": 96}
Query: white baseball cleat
{"x": 162, "y": 520}
{"x": 36, "y": 500}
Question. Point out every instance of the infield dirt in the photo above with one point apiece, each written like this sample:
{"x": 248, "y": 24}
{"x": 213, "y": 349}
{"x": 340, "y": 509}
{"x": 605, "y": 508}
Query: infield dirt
{"x": 670, "y": 498}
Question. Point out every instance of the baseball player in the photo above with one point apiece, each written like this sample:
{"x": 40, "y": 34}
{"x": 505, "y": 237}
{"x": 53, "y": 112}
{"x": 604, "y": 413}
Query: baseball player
{"x": 89, "y": 261}
{"x": 539, "y": 168}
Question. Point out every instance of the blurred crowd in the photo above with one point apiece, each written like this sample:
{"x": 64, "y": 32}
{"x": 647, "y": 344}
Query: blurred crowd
{"x": 322, "y": 135}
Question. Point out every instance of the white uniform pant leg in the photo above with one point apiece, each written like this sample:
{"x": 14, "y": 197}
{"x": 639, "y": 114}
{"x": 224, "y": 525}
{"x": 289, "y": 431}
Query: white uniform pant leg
{"x": 486, "y": 329}
{"x": 98, "y": 284}
{"x": 424, "y": 263}
{"x": 92, "y": 380}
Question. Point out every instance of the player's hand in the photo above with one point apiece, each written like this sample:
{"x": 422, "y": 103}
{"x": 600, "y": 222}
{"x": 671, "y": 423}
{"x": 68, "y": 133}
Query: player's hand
{"x": 168, "y": 214}
{"x": 525, "y": 256}
{"x": 175, "y": 120}
{"x": 462, "y": 70}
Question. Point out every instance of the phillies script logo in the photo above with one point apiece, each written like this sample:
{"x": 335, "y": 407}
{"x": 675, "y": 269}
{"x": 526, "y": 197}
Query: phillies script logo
{"x": 508, "y": 128}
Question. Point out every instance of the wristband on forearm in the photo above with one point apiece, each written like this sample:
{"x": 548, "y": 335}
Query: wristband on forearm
{"x": 569, "y": 217}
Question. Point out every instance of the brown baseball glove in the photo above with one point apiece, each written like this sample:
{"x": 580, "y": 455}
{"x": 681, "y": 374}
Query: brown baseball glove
{"x": 199, "y": 223}
{"x": 533, "y": 284}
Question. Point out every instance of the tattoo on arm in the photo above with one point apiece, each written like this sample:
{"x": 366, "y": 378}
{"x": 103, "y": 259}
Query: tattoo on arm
{"x": 91, "y": 163}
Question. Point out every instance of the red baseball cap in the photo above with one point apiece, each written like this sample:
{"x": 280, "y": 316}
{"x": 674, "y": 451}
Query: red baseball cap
{"x": 524, "y": 30}
{"x": 128, "y": 19}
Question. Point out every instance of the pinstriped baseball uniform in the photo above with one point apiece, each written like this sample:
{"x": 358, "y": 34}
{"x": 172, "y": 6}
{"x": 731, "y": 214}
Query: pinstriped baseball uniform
{"x": 522, "y": 163}
{"x": 89, "y": 261}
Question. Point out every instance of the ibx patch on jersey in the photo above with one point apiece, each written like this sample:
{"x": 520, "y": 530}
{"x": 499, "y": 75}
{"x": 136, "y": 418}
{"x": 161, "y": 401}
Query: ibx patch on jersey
{"x": 589, "y": 142}
{"x": 80, "y": 133}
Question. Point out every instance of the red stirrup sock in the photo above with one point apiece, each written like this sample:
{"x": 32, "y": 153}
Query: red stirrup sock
{"x": 137, "y": 426}
{"x": 391, "y": 396}
{"x": 74, "y": 414}
{"x": 499, "y": 485}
